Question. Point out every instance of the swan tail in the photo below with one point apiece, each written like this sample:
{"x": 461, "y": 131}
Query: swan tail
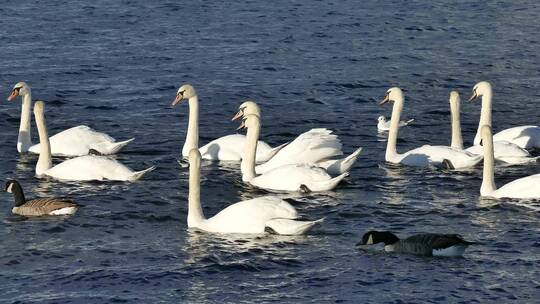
{"x": 137, "y": 175}
{"x": 113, "y": 148}
{"x": 291, "y": 227}
{"x": 340, "y": 166}
{"x": 328, "y": 184}
{"x": 274, "y": 151}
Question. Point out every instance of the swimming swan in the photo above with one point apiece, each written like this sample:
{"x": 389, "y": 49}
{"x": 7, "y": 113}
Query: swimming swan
{"x": 292, "y": 177}
{"x": 82, "y": 168}
{"x": 525, "y": 187}
{"x": 226, "y": 148}
{"x": 75, "y": 141}
{"x": 426, "y": 155}
{"x": 526, "y": 137}
{"x": 316, "y": 147}
{"x": 251, "y": 216}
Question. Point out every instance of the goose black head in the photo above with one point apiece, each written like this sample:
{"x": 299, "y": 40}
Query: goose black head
{"x": 10, "y": 185}
{"x": 375, "y": 237}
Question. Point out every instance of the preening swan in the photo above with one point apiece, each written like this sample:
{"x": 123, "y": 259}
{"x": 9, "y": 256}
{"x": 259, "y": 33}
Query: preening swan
{"x": 525, "y": 187}
{"x": 251, "y": 216}
{"x": 426, "y": 244}
{"x": 426, "y": 155}
{"x": 317, "y": 147}
{"x": 75, "y": 141}
{"x": 82, "y": 168}
{"x": 226, "y": 148}
{"x": 39, "y": 206}
{"x": 383, "y": 125}
{"x": 505, "y": 151}
{"x": 292, "y": 177}
{"x": 526, "y": 137}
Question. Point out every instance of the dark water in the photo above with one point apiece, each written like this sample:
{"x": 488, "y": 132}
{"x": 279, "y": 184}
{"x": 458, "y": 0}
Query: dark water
{"x": 116, "y": 65}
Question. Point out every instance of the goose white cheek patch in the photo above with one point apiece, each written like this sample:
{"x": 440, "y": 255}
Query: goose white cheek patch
{"x": 9, "y": 188}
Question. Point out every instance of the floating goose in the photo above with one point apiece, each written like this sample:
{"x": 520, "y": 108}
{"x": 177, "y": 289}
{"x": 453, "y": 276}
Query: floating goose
{"x": 39, "y": 206}
{"x": 293, "y": 177}
{"x": 75, "y": 141}
{"x": 384, "y": 125}
{"x": 428, "y": 244}
{"x": 82, "y": 168}
{"x": 426, "y": 155}
{"x": 526, "y": 137}
{"x": 317, "y": 147}
{"x": 226, "y": 148}
{"x": 525, "y": 187}
{"x": 252, "y": 216}
{"x": 504, "y": 151}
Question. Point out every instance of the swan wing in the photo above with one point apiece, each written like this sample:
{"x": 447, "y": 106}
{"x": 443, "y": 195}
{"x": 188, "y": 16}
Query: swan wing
{"x": 231, "y": 148}
{"x": 437, "y": 154}
{"x": 292, "y": 177}
{"x": 309, "y": 147}
{"x": 525, "y": 187}
{"x": 90, "y": 167}
{"x": 524, "y": 136}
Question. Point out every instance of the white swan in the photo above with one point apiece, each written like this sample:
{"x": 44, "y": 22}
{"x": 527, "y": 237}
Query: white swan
{"x": 383, "y": 125}
{"x": 426, "y": 155}
{"x": 226, "y": 148}
{"x": 317, "y": 147}
{"x": 251, "y": 216}
{"x": 504, "y": 151}
{"x": 526, "y": 137}
{"x": 82, "y": 168}
{"x": 525, "y": 187}
{"x": 293, "y": 177}
{"x": 75, "y": 141}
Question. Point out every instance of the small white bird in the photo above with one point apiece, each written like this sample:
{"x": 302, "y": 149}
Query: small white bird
{"x": 384, "y": 126}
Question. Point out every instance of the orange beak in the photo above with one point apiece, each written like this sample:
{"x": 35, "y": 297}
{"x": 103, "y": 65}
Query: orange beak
{"x": 385, "y": 100}
{"x": 177, "y": 99}
{"x": 13, "y": 95}
{"x": 238, "y": 115}
{"x": 473, "y": 97}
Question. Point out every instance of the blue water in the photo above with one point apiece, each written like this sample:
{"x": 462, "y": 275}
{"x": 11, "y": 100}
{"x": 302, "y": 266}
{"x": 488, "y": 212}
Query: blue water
{"x": 116, "y": 65}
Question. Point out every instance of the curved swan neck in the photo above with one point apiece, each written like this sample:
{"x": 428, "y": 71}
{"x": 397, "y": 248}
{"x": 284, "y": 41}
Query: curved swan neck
{"x": 391, "y": 150}
{"x": 195, "y": 212}
{"x": 457, "y": 139}
{"x": 192, "y": 135}
{"x": 24, "y": 141}
{"x": 488, "y": 177}
{"x": 44, "y": 161}
{"x": 250, "y": 149}
{"x": 485, "y": 114}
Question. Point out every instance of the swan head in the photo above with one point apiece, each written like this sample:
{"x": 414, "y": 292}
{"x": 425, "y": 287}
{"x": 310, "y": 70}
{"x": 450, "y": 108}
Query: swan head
{"x": 480, "y": 89}
{"x": 381, "y": 119}
{"x": 194, "y": 158}
{"x": 375, "y": 237}
{"x": 393, "y": 94}
{"x": 247, "y": 108}
{"x": 249, "y": 121}
{"x": 186, "y": 91}
{"x": 20, "y": 88}
{"x": 454, "y": 97}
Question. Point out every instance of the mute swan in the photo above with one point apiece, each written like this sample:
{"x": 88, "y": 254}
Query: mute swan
{"x": 226, "y": 148}
{"x": 294, "y": 177}
{"x": 75, "y": 141}
{"x": 525, "y": 187}
{"x": 251, "y": 216}
{"x": 384, "y": 125}
{"x": 526, "y": 137}
{"x": 82, "y": 168}
{"x": 504, "y": 151}
{"x": 426, "y": 244}
{"x": 39, "y": 206}
{"x": 427, "y": 154}
{"x": 317, "y": 147}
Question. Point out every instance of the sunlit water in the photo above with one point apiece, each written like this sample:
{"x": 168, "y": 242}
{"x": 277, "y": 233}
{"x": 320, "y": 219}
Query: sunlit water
{"x": 116, "y": 65}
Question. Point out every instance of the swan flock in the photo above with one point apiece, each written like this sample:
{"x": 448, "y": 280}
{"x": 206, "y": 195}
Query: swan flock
{"x": 313, "y": 161}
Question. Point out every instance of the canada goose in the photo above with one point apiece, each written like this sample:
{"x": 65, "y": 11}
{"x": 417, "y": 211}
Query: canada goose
{"x": 39, "y": 206}
{"x": 427, "y": 244}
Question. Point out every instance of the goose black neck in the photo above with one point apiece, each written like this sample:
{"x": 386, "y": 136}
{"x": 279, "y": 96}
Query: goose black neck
{"x": 18, "y": 194}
